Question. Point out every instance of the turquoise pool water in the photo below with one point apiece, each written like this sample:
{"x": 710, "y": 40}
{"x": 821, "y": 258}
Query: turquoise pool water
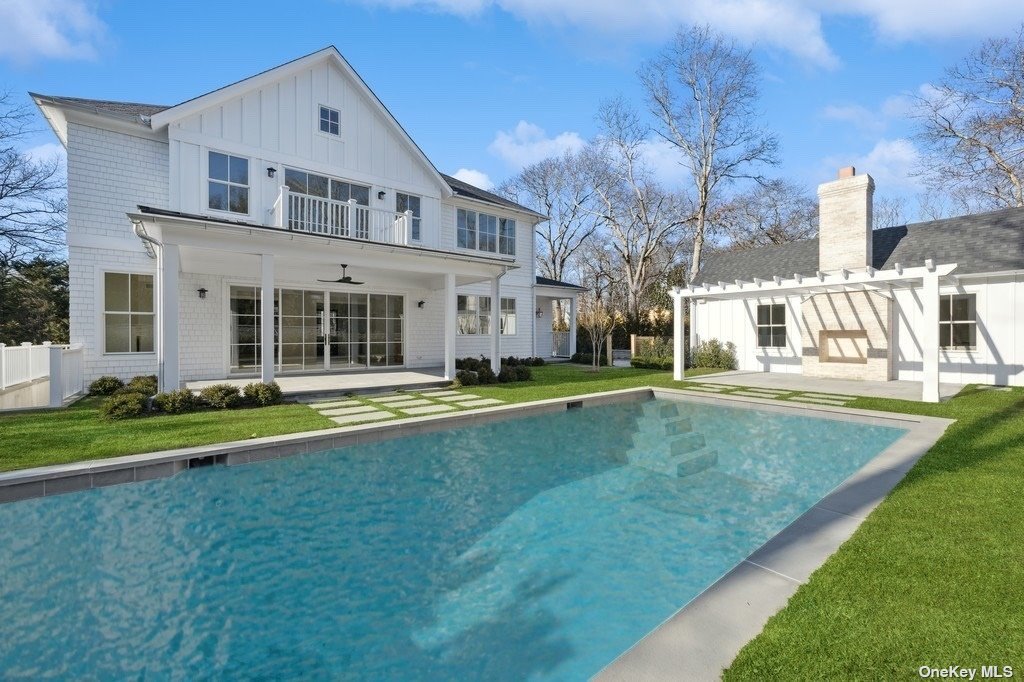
{"x": 523, "y": 549}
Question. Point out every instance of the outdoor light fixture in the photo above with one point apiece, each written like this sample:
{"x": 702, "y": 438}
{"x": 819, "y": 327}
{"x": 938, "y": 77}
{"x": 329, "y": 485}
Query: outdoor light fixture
{"x": 381, "y": 194}
{"x": 271, "y": 171}
{"x": 420, "y": 304}
{"x": 540, "y": 313}
{"x": 201, "y": 292}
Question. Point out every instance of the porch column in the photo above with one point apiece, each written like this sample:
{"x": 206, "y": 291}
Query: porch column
{"x": 266, "y": 317}
{"x": 678, "y": 361}
{"x": 930, "y": 339}
{"x": 495, "y": 324}
{"x": 450, "y": 317}
{"x": 572, "y": 326}
{"x": 170, "y": 374}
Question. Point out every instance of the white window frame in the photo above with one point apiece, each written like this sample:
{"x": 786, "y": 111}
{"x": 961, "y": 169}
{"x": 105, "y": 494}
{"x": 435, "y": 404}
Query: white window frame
{"x": 416, "y": 229}
{"x": 503, "y": 224}
{"x": 479, "y": 314}
{"x": 101, "y": 288}
{"x": 772, "y": 325}
{"x": 475, "y": 231}
{"x": 229, "y": 183}
{"x": 502, "y": 315}
{"x": 947, "y": 299}
{"x": 320, "y": 118}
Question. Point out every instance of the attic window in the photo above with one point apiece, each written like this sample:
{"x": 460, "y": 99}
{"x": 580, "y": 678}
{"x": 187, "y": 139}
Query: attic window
{"x": 329, "y": 119}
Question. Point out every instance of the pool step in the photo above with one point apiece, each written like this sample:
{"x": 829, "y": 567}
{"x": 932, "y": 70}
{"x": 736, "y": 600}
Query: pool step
{"x": 674, "y": 465}
{"x": 666, "y": 443}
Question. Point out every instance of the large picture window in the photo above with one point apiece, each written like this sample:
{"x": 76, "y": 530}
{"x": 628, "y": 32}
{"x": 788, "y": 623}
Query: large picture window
{"x": 128, "y": 318}
{"x": 410, "y": 202}
{"x": 958, "y": 325}
{"x": 474, "y": 316}
{"x": 771, "y": 325}
{"x": 228, "y": 183}
{"x": 484, "y": 232}
{"x": 324, "y": 187}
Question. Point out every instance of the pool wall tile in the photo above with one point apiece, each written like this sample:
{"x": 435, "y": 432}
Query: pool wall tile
{"x": 21, "y": 491}
{"x": 150, "y": 472}
{"x": 67, "y": 484}
{"x": 101, "y": 479}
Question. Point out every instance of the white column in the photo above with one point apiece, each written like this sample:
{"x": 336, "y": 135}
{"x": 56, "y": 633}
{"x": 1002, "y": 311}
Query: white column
{"x": 170, "y": 375}
{"x": 266, "y": 317}
{"x": 56, "y": 376}
{"x": 450, "y": 316}
{"x": 678, "y": 361}
{"x": 495, "y": 324}
{"x": 572, "y": 326}
{"x": 930, "y": 339}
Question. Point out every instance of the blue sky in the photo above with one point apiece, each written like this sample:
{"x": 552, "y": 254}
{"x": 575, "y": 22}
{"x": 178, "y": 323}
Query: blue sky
{"x": 487, "y": 86}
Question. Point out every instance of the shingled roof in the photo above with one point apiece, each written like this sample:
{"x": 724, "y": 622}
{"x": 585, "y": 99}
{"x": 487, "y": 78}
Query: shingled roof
{"x": 106, "y": 106}
{"x": 984, "y": 242}
{"x": 464, "y": 189}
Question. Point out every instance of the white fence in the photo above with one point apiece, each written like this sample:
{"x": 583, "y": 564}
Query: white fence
{"x": 63, "y": 365}
{"x": 560, "y": 344}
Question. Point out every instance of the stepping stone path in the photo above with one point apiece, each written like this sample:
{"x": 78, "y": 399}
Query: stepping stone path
{"x": 428, "y": 409}
{"x": 365, "y": 417}
{"x": 414, "y": 403}
{"x": 480, "y": 402}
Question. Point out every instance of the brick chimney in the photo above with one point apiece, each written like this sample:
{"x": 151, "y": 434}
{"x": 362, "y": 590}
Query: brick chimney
{"x": 844, "y": 221}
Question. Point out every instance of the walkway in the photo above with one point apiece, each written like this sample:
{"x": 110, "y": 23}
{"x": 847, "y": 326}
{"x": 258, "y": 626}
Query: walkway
{"x": 359, "y": 409}
{"x": 815, "y": 386}
{"x": 342, "y": 382}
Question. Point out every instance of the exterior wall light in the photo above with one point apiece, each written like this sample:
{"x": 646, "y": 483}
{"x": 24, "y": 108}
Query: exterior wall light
{"x": 539, "y": 313}
{"x": 381, "y": 194}
{"x": 420, "y": 304}
{"x": 271, "y": 171}
{"x": 201, "y": 292}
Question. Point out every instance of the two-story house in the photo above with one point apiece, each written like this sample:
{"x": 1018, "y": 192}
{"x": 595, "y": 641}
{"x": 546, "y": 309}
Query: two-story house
{"x": 286, "y": 223}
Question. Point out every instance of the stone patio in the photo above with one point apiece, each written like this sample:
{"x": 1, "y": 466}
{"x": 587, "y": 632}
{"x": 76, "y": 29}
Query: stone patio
{"x": 340, "y": 383}
{"x": 825, "y": 388}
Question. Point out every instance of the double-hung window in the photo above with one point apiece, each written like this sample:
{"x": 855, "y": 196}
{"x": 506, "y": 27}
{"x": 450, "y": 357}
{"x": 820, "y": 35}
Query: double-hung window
{"x": 771, "y": 325}
{"x": 330, "y": 121}
{"x": 508, "y": 316}
{"x": 488, "y": 228}
{"x": 507, "y": 236}
{"x": 128, "y": 319}
{"x": 466, "y": 229}
{"x": 475, "y": 315}
{"x": 958, "y": 324}
{"x": 410, "y": 202}
{"x": 228, "y": 185}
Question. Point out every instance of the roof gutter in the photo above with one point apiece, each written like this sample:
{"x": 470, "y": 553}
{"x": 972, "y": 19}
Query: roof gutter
{"x": 147, "y": 241}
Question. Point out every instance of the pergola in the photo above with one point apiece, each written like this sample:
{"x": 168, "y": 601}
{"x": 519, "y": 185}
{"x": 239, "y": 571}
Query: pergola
{"x": 882, "y": 282}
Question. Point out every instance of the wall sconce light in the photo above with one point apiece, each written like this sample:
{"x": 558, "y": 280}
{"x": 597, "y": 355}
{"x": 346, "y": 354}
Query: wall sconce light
{"x": 539, "y": 313}
{"x": 271, "y": 171}
{"x": 381, "y": 194}
{"x": 420, "y": 304}
{"x": 201, "y": 292}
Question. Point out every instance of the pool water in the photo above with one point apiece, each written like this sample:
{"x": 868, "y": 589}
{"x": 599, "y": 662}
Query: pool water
{"x": 520, "y": 549}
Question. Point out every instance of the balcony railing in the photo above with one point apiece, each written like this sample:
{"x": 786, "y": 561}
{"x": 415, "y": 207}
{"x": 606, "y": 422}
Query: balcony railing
{"x": 316, "y": 215}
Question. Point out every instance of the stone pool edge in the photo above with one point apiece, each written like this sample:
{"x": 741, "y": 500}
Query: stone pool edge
{"x": 24, "y": 484}
{"x": 704, "y": 636}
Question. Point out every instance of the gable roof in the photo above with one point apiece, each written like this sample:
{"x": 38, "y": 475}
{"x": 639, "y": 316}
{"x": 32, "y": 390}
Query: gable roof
{"x": 547, "y": 282}
{"x": 984, "y": 242}
{"x": 468, "y": 191}
{"x": 103, "y": 106}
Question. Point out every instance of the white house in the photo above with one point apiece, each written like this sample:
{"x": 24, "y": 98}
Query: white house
{"x": 930, "y": 302}
{"x": 293, "y": 191}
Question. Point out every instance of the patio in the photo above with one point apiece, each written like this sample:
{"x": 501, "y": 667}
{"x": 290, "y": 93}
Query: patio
{"x": 309, "y": 385}
{"x": 897, "y": 390}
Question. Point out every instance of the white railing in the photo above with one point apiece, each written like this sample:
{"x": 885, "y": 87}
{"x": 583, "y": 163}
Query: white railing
{"x": 72, "y": 375}
{"x": 560, "y": 344}
{"x": 23, "y": 364}
{"x": 316, "y": 215}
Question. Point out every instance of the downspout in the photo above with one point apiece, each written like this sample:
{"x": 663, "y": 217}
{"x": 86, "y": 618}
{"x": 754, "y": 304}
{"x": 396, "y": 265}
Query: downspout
{"x": 152, "y": 244}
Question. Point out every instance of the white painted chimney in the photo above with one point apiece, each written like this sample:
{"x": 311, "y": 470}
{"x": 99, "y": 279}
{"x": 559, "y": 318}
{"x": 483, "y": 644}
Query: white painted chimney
{"x": 844, "y": 221}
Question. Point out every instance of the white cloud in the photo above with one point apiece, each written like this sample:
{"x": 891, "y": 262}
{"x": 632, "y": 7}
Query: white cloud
{"x": 662, "y": 158}
{"x": 49, "y": 29}
{"x": 48, "y": 152}
{"x": 474, "y": 177}
{"x": 859, "y": 117}
{"x": 528, "y": 143}
{"x": 890, "y": 162}
{"x": 921, "y": 19}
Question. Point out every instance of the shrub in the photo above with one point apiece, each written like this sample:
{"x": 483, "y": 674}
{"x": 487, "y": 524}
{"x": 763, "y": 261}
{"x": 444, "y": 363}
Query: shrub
{"x": 640, "y": 363}
{"x": 146, "y": 385}
{"x": 523, "y": 373}
{"x": 466, "y": 377}
{"x": 486, "y": 375}
{"x": 261, "y": 394}
{"x": 712, "y": 353}
{"x": 654, "y": 354}
{"x": 537, "y": 361}
{"x": 221, "y": 396}
{"x": 176, "y": 402}
{"x": 105, "y": 386}
{"x": 507, "y": 374}
{"x": 123, "y": 406}
{"x": 469, "y": 364}
{"x": 588, "y": 359}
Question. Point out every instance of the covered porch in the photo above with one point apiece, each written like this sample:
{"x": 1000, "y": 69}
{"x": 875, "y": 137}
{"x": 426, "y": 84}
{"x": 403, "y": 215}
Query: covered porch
{"x": 556, "y": 318}
{"x": 393, "y": 310}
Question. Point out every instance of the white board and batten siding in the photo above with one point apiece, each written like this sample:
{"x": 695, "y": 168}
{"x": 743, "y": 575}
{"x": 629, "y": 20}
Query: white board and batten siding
{"x": 277, "y": 124}
{"x": 736, "y": 320}
{"x": 999, "y": 356}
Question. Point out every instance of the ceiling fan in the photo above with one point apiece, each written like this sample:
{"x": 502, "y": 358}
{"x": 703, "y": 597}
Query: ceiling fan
{"x": 345, "y": 279}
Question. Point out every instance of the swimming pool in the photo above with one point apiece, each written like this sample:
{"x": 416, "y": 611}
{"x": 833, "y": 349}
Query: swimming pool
{"x": 539, "y": 547}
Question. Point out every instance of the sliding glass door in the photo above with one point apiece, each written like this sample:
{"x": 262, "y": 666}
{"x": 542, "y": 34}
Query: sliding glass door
{"x": 316, "y": 330}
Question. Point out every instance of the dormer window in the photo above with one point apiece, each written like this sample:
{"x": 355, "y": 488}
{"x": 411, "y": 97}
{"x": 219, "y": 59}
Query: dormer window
{"x": 329, "y": 121}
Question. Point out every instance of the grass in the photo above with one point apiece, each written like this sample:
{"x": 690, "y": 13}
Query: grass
{"x": 935, "y": 576}
{"x": 39, "y": 438}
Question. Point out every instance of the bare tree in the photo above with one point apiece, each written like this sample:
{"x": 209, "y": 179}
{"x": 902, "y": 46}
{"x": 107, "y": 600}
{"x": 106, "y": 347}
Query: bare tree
{"x": 642, "y": 221}
{"x": 703, "y": 92}
{"x": 889, "y": 211}
{"x": 971, "y": 128}
{"x": 597, "y": 314}
{"x": 560, "y": 188}
{"x": 774, "y": 212}
{"x": 32, "y": 202}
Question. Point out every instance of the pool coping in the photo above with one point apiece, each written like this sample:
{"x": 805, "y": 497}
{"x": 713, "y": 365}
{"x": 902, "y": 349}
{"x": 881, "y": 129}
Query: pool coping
{"x": 24, "y": 484}
{"x": 703, "y": 637}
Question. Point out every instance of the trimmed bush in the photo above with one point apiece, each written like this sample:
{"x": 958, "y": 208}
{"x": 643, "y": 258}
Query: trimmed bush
{"x": 221, "y": 396}
{"x": 523, "y": 373}
{"x": 588, "y": 359}
{"x": 657, "y": 354}
{"x": 537, "y": 362}
{"x": 466, "y": 377}
{"x": 713, "y": 353}
{"x": 262, "y": 395}
{"x": 105, "y": 386}
{"x": 639, "y": 363}
{"x": 507, "y": 374}
{"x": 123, "y": 406}
{"x": 146, "y": 385}
{"x": 176, "y": 402}
{"x": 486, "y": 375}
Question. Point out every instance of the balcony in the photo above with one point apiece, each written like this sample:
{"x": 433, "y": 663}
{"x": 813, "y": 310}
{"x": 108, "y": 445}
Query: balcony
{"x": 317, "y": 215}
